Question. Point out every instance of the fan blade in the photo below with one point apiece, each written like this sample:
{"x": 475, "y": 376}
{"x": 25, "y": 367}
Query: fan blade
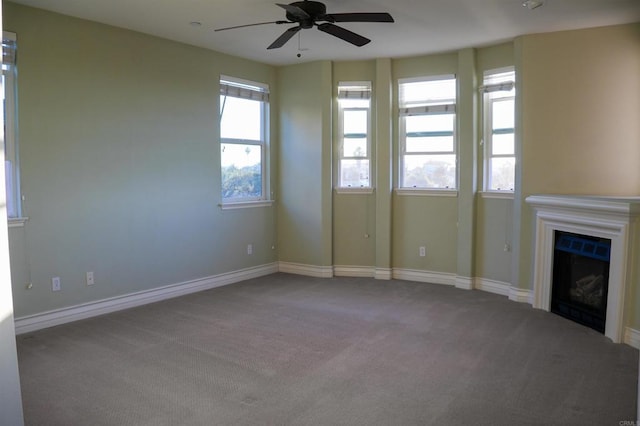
{"x": 285, "y": 37}
{"x": 344, "y": 34}
{"x": 359, "y": 17}
{"x": 295, "y": 11}
{"x": 253, "y": 25}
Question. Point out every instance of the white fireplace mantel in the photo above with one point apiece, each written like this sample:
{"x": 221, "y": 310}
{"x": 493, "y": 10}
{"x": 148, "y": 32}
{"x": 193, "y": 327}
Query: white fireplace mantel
{"x": 603, "y": 217}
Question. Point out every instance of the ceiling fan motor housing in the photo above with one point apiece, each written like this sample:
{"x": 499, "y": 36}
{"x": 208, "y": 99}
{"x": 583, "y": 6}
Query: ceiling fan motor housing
{"x": 314, "y": 9}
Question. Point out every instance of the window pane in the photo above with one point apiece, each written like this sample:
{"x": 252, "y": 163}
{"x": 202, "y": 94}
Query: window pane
{"x": 355, "y": 147}
{"x": 503, "y": 144}
{"x": 355, "y": 122}
{"x": 430, "y": 144}
{"x": 503, "y": 114}
{"x": 429, "y": 171}
{"x": 241, "y": 171}
{"x": 354, "y": 173}
{"x": 427, "y": 92}
{"x": 502, "y": 174}
{"x": 429, "y": 123}
{"x": 354, "y": 103}
{"x": 241, "y": 118}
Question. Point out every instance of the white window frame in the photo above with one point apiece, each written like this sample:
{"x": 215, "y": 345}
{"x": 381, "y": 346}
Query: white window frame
{"x": 488, "y": 87}
{"x": 246, "y": 89}
{"x": 425, "y": 108}
{"x": 10, "y": 136}
{"x": 360, "y": 90}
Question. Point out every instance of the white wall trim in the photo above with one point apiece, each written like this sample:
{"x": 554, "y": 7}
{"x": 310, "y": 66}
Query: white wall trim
{"x": 632, "y": 338}
{"x": 521, "y": 295}
{"x": 426, "y": 192}
{"x": 383, "y": 273}
{"x": 424, "y": 276}
{"x": 492, "y": 286}
{"x": 353, "y": 271}
{"x": 307, "y": 270}
{"x": 42, "y": 320}
{"x": 464, "y": 283}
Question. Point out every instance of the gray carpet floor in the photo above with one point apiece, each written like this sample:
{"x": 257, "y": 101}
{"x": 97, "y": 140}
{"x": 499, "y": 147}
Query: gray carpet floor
{"x": 291, "y": 350}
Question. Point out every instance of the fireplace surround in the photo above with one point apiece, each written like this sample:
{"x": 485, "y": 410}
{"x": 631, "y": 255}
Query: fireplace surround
{"x": 609, "y": 218}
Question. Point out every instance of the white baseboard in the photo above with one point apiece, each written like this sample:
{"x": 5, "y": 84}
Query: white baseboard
{"x": 632, "y": 337}
{"x": 444, "y": 278}
{"x": 464, "y": 283}
{"x": 424, "y": 276}
{"x": 521, "y": 295}
{"x": 42, "y": 320}
{"x": 383, "y": 273}
{"x": 354, "y": 271}
{"x": 492, "y": 286}
{"x": 307, "y": 270}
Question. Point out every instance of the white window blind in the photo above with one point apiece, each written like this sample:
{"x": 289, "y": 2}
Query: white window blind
{"x": 243, "y": 91}
{"x": 354, "y": 92}
{"x": 506, "y": 86}
{"x": 428, "y": 110}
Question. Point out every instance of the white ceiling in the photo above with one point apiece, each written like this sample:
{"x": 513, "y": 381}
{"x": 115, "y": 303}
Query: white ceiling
{"x": 421, "y": 27}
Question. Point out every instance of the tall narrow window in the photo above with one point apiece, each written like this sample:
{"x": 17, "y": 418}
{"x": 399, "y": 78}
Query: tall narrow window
{"x": 499, "y": 130}
{"x": 354, "y": 167}
{"x": 428, "y": 133}
{"x": 9, "y": 89}
{"x": 243, "y": 140}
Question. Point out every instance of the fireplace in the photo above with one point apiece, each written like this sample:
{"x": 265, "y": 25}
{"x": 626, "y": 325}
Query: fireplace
{"x": 592, "y": 219}
{"x": 580, "y": 278}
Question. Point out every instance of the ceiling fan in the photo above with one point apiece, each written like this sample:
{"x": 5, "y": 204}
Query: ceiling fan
{"x": 308, "y": 14}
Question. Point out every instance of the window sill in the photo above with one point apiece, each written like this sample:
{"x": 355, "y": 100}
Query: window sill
{"x": 246, "y": 204}
{"x": 17, "y": 222}
{"x": 500, "y": 195}
{"x": 354, "y": 190}
{"x": 423, "y": 192}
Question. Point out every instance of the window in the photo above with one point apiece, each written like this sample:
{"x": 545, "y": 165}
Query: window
{"x": 354, "y": 166}
{"x": 243, "y": 140}
{"x": 9, "y": 89}
{"x": 499, "y": 130}
{"x": 428, "y": 133}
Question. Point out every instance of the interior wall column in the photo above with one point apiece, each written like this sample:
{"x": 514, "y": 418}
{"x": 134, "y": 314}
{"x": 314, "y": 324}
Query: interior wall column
{"x": 520, "y": 277}
{"x": 326, "y": 84}
{"x": 383, "y": 176}
{"x": 467, "y": 166}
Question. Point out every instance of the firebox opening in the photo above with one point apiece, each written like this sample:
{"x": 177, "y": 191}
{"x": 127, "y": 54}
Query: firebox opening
{"x": 581, "y": 278}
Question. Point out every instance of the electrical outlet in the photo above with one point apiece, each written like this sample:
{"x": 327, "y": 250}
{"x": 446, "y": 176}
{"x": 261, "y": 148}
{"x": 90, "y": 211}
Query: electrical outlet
{"x": 55, "y": 284}
{"x": 249, "y": 248}
{"x": 507, "y": 247}
{"x": 90, "y": 278}
{"x": 423, "y": 251}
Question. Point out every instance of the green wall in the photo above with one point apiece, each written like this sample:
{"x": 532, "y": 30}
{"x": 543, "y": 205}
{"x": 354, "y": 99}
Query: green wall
{"x": 304, "y": 197}
{"x": 120, "y": 163}
{"x": 120, "y": 160}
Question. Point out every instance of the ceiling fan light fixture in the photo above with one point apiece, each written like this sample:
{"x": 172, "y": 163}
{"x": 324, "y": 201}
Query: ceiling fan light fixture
{"x": 532, "y": 4}
{"x": 309, "y": 13}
